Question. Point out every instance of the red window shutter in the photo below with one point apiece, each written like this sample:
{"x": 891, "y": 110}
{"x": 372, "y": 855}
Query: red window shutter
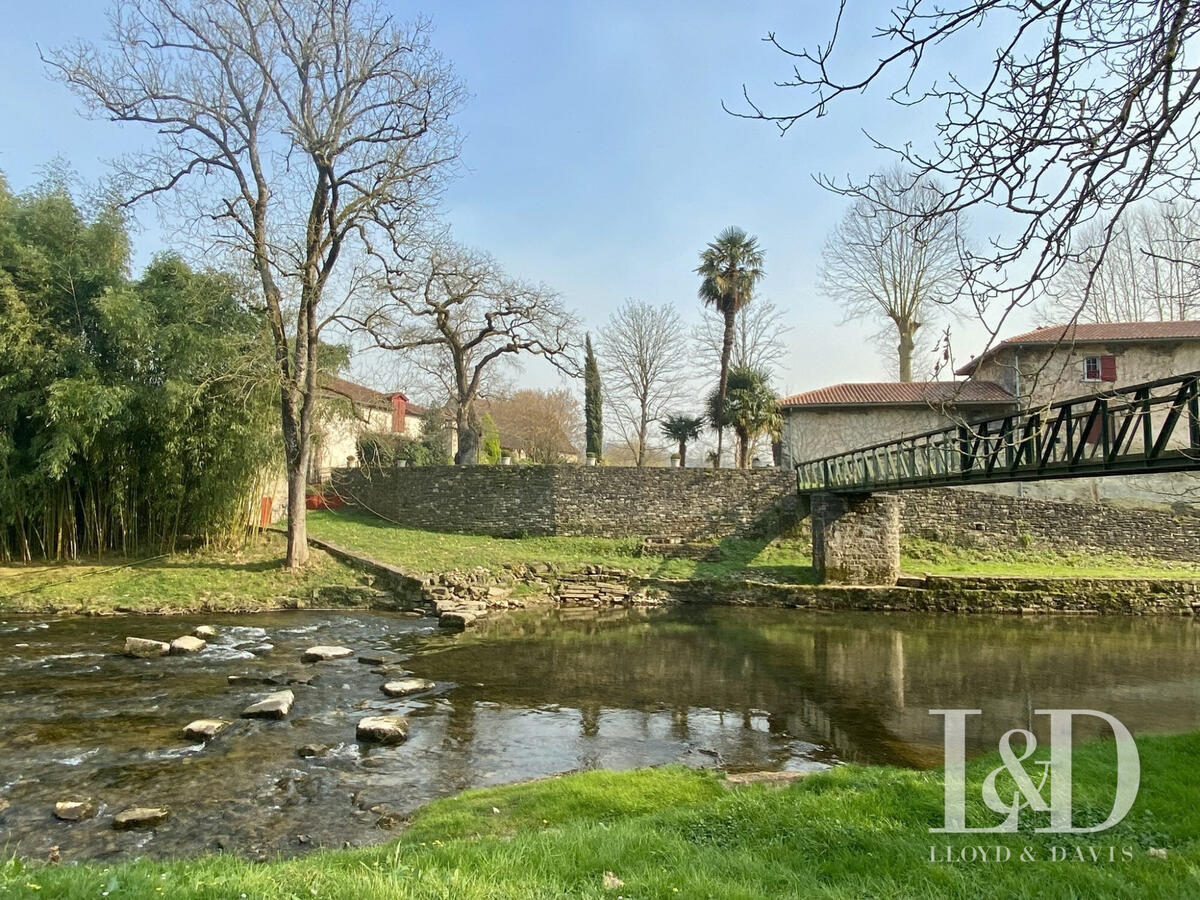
{"x": 1108, "y": 368}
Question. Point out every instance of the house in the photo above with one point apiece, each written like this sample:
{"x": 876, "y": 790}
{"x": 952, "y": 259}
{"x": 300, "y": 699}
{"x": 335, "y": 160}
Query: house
{"x": 349, "y": 410}
{"x": 847, "y": 416}
{"x": 1064, "y": 361}
{"x": 1059, "y": 362}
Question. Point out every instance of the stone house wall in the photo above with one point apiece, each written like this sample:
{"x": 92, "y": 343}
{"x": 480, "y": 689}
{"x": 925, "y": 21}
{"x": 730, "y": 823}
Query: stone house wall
{"x": 573, "y": 500}
{"x": 1045, "y": 375}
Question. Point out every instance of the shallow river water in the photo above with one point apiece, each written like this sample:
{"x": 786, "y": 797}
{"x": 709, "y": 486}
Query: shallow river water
{"x": 520, "y": 697}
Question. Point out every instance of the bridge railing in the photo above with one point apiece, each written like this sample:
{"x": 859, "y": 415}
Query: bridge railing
{"x": 1145, "y": 428}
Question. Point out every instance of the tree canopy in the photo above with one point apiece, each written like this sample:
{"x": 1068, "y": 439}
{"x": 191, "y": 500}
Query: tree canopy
{"x": 131, "y": 412}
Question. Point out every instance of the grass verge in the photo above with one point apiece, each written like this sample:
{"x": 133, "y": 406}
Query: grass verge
{"x": 919, "y": 556}
{"x": 778, "y": 559}
{"x": 850, "y": 833}
{"x": 251, "y": 579}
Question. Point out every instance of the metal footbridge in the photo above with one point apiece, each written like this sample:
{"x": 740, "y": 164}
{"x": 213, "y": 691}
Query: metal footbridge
{"x": 1144, "y": 429}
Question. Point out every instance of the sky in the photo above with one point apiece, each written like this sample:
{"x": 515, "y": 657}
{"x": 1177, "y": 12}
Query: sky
{"x": 597, "y": 158}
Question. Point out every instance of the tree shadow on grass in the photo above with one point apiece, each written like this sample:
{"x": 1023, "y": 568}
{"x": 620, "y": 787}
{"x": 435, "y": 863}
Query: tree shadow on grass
{"x": 754, "y": 558}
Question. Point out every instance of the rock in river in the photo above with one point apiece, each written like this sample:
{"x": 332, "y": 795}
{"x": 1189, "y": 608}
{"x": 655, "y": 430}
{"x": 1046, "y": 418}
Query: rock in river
{"x": 204, "y": 631}
{"x": 75, "y": 810}
{"x": 272, "y": 706}
{"x": 141, "y": 817}
{"x": 307, "y": 750}
{"x": 321, "y": 654}
{"x": 204, "y": 729}
{"x": 140, "y": 647}
{"x": 187, "y": 644}
{"x": 406, "y": 686}
{"x": 383, "y": 729}
{"x": 379, "y": 658}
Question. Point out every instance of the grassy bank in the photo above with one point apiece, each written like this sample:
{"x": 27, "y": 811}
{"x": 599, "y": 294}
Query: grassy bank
{"x": 253, "y": 578}
{"x": 785, "y": 558}
{"x": 853, "y": 832}
{"x": 778, "y": 559}
{"x": 919, "y": 556}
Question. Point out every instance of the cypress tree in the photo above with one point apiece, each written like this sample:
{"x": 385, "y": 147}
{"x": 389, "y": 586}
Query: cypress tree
{"x": 592, "y": 411}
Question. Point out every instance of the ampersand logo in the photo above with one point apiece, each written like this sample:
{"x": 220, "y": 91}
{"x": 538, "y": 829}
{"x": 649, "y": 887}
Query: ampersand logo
{"x": 1026, "y": 794}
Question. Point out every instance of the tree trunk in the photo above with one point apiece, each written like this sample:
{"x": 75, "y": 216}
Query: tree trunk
{"x": 297, "y": 515}
{"x": 683, "y": 454}
{"x": 906, "y": 352}
{"x": 723, "y": 382}
{"x": 743, "y": 451}
{"x": 643, "y": 423}
{"x": 468, "y": 435}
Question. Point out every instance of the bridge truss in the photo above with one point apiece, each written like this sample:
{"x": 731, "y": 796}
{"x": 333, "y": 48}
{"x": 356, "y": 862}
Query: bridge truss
{"x": 1143, "y": 429}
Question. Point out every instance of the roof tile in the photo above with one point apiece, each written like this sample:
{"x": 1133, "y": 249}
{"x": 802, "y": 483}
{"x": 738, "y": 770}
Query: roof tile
{"x": 1094, "y": 332}
{"x": 903, "y": 393}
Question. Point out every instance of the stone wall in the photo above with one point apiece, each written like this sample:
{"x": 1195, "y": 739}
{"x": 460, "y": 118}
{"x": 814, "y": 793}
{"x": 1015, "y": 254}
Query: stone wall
{"x": 573, "y": 500}
{"x": 856, "y": 538}
{"x": 976, "y": 519}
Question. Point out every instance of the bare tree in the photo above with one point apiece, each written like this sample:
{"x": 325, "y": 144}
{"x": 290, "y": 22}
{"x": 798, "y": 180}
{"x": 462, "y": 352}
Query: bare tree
{"x": 646, "y": 355}
{"x": 890, "y": 263}
{"x": 1150, "y": 270}
{"x": 759, "y": 338}
{"x": 459, "y": 315}
{"x": 541, "y": 424}
{"x": 287, "y": 129}
{"x": 1082, "y": 110}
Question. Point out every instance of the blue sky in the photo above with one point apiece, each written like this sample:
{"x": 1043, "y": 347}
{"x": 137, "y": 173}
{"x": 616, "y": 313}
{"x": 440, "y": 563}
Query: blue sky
{"x": 597, "y": 157}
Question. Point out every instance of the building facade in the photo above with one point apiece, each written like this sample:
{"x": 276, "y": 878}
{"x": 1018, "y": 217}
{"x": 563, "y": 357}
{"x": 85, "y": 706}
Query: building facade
{"x": 848, "y": 416}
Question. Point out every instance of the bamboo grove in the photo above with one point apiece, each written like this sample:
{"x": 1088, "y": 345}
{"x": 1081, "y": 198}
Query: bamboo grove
{"x": 133, "y": 413}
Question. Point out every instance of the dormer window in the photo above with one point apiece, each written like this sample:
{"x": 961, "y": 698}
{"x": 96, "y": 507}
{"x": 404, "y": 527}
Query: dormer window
{"x": 1099, "y": 368}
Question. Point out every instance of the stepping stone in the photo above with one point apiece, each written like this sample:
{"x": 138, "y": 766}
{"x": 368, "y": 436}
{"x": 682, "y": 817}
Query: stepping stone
{"x": 322, "y": 654}
{"x": 74, "y": 810}
{"x": 391, "y": 671}
{"x": 406, "y": 686}
{"x": 272, "y": 706}
{"x": 188, "y": 644}
{"x": 205, "y": 631}
{"x": 204, "y": 729}
{"x": 379, "y": 658}
{"x": 382, "y": 729}
{"x": 144, "y": 649}
{"x": 459, "y": 619}
{"x": 140, "y": 817}
{"x": 239, "y": 680}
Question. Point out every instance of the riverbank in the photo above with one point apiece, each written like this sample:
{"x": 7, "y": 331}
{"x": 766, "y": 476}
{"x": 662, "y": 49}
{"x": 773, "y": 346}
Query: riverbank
{"x": 673, "y": 832}
{"x": 463, "y": 577}
{"x": 249, "y": 580}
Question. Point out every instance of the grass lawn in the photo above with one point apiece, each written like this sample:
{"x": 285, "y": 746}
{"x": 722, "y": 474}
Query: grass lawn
{"x": 782, "y": 559}
{"x": 851, "y": 833}
{"x": 919, "y": 556}
{"x": 179, "y": 582}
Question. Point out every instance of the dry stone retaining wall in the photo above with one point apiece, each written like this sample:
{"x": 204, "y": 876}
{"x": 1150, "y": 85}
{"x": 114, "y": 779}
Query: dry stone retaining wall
{"x": 573, "y": 500}
{"x": 976, "y": 519}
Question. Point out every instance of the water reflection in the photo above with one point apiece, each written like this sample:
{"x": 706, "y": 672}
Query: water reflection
{"x": 523, "y": 697}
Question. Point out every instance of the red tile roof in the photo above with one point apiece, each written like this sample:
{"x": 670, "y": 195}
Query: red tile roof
{"x": 903, "y": 393}
{"x": 363, "y": 395}
{"x": 1094, "y": 332}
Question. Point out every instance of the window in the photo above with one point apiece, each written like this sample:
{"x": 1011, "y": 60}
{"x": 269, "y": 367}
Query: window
{"x": 1099, "y": 368}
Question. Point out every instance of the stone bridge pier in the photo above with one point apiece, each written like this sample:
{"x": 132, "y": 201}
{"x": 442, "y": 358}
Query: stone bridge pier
{"x": 856, "y": 538}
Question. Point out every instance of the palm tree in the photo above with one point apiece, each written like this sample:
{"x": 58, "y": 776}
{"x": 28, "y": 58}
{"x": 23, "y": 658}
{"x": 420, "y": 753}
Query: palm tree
{"x": 750, "y": 408}
{"x": 682, "y": 429}
{"x": 729, "y": 269}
